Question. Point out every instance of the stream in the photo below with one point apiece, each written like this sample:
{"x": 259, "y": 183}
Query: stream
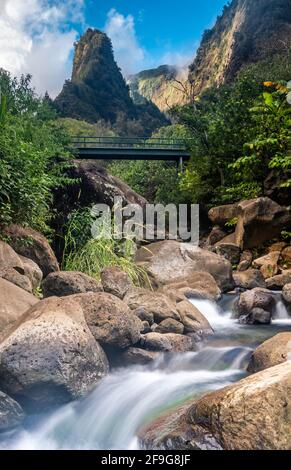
{"x": 129, "y": 397}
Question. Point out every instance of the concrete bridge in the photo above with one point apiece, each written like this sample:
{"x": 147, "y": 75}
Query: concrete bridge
{"x": 124, "y": 148}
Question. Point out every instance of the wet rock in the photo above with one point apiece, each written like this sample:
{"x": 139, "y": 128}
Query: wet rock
{"x": 272, "y": 352}
{"x": 258, "y": 316}
{"x": 246, "y": 260}
{"x": 151, "y": 303}
{"x": 170, "y": 326}
{"x": 268, "y": 264}
{"x": 255, "y": 306}
{"x": 192, "y": 319}
{"x": 32, "y": 245}
{"x": 137, "y": 356}
{"x": 249, "y": 279}
{"x": 286, "y": 293}
{"x": 169, "y": 262}
{"x": 169, "y": 431}
{"x": 32, "y": 271}
{"x": 252, "y": 414}
{"x": 279, "y": 281}
{"x": 11, "y": 413}
{"x": 14, "y": 301}
{"x": 110, "y": 320}
{"x": 51, "y": 357}
{"x": 13, "y": 276}
{"x": 115, "y": 281}
{"x": 169, "y": 342}
{"x": 65, "y": 283}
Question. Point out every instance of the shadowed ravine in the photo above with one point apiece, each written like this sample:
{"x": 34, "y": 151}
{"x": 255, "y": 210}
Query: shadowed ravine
{"x": 110, "y": 417}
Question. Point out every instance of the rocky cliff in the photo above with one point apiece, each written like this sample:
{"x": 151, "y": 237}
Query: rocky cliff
{"x": 246, "y": 32}
{"x": 97, "y": 89}
{"x": 166, "y": 86}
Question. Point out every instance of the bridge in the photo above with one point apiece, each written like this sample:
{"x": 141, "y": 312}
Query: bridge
{"x": 124, "y": 148}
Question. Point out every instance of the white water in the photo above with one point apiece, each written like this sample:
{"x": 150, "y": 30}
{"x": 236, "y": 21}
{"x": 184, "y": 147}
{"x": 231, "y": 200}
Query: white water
{"x": 110, "y": 417}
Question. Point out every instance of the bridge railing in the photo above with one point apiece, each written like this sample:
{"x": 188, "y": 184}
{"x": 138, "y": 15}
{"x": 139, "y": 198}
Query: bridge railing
{"x": 81, "y": 142}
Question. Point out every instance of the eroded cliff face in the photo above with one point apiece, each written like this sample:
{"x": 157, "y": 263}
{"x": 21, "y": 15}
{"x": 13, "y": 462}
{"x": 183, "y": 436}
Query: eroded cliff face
{"x": 246, "y": 32}
{"x": 165, "y": 86}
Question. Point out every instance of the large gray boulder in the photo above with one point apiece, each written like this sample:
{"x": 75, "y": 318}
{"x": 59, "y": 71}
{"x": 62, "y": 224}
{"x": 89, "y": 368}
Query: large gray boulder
{"x": 14, "y": 301}
{"x": 51, "y": 357}
{"x": 110, "y": 320}
{"x": 192, "y": 319}
{"x": 272, "y": 352}
{"x": 33, "y": 245}
{"x": 11, "y": 413}
{"x": 63, "y": 283}
{"x": 169, "y": 261}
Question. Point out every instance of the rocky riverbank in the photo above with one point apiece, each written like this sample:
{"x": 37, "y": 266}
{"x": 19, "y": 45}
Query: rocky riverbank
{"x": 57, "y": 347}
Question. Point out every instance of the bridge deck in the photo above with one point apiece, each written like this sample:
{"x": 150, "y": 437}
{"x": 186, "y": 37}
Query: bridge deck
{"x": 121, "y": 148}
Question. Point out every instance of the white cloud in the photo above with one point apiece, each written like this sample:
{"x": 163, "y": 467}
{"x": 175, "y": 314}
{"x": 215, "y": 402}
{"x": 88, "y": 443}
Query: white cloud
{"x": 129, "y": 54}
{"x": 36, "y": 36}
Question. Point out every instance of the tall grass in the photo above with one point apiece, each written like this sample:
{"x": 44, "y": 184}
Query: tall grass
{"x": 91, "y": 256}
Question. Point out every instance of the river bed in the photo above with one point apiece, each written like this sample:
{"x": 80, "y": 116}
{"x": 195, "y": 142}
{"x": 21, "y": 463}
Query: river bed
{"x": 129, "y": 397}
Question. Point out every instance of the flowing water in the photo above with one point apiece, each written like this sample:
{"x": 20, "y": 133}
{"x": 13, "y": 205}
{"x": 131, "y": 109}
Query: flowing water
{"x": 111, "y": 415}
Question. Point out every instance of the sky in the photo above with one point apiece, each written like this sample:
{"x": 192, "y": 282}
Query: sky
{"x": 37, "y": 36}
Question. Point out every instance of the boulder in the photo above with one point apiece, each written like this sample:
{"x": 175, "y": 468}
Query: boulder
{"x": 153, "y": 303}
{"x": 14, "y": 301}
{"x": 144, "y": 315}
{"x": 215, "y": 236}
{"x": 168, "y": 342}
{"x": 146, "y": 327}
{"x": 115, "y": 281}
{"x": 32, "y": 271}
{"x": 11, "y": 413}
{"x": 137, "y": 356}
{"x": 169, "y": 431}
{"x": 277, "y": 246}
{"x": 63, "y": 283}
{"x": 169, "y": 261}
{"x": 286, "y": 255}
{"x": 110, "y": 320}
{"x": 192, "y": 319}
{"x": 260, "y": 220}
{"x": 229, "y": 251}
{"x": 275, "y": 350}
{"x": 268, "y": 264}
{"x": 249, "y": 279}
{"x": 51, "y": 357}
{"x": 286, "y": 293}
{"x": 32, "y": 245}
{"x": 252, "y": 414}
{"x": 222, "y": 214}
{"x": 279, "y": 281}
{"x": 13, "y": 276}
{"x": 256, "y": 306}
{"x": 198, "y": 285}
{"x": 257, "y": 316}
{"x": 169, "y": 325}
{"x": 96, "y": 185}
{"x": 174, "y": 292}
{"x": 9, "y": 258}
{"x": 245, "y": 261}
